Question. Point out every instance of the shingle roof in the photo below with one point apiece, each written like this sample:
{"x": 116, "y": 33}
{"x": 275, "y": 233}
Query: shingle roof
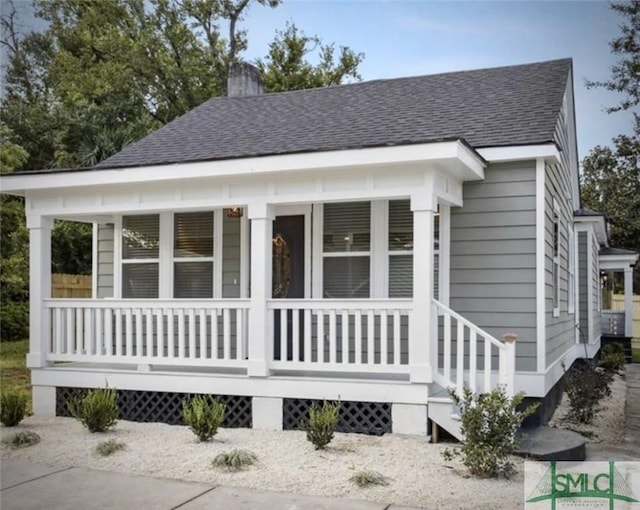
{"x": 502, "y": 106}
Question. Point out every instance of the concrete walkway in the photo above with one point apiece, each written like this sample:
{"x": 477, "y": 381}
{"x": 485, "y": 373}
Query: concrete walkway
{"x": 29, "y": 486}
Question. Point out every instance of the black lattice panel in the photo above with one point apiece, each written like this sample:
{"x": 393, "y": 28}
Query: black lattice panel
{"x": 161, "y": 407}
{"x": 373, "y": 418}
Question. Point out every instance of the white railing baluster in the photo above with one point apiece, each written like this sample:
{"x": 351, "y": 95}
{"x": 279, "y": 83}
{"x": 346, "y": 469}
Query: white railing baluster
{"x": 384, "y": 347}
{"x": 214, "y": 335}
{"x": 99, "y": 331}
{"x": 487, "y": 365}
{"x": 171, "y": 337}
{"x": 58, "y": 331}
{"x": 69, "y": 331}
{"x": 79, "y": 330}
{"x": 446, "y": 357}
{"x": 108, "y": 331}
{"x": 320, "y": 336}
{"x": 357, "y": 334}
{"x": 473, "y": 353}
{"x": 88, "y": 332}
{"x": 119, "y": 339}
{"x": 396, "y": 337}
{"x": 307, "y": 335}
{"x": 460, "y": 357}
{"x": 296, "y": 335}
{"x": 344, "y": 340}
{"x": 181, "y": 334}
{"x": 371, "y": 337}
{"x": 239, "y": 334}
{"x": 283, "y": 335}
{"x": 202, "y": 315}
{"x": 332, "y": 337}
{"x": 192, "y": 332}
{"x": 148, "y": 313}
{"x": 139, "y": 336}
{"x": 226, "y": 329}
{"x": 128, "y": 331}
{"x": 160, "y": 333}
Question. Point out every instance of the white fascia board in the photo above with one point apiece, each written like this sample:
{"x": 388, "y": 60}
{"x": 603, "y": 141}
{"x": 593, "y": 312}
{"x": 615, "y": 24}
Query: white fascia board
{"x": 617, "y": 262}
{"x": 598, "y": 224}
{"x": 441, "y": 152}
{"x": 549, "y": 152}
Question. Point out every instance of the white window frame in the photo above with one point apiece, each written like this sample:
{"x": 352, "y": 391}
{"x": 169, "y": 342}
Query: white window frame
{"x": 166, "y": 257}
{"x": 571, "y": 269}
{"x": 555, "y": 254}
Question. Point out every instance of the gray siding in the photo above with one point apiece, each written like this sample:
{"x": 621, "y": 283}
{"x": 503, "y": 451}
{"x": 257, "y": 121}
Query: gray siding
{"x": 560, "y": 331}
{"x": 231, "y": 257}
{"x": 105, "y": 260}
{"x": 584, "y": 284}
{"x": 595, "y": 288}
{"x": 493, "y": 246}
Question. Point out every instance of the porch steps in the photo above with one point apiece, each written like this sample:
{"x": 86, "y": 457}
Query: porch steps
{"x": 443, "y": 413}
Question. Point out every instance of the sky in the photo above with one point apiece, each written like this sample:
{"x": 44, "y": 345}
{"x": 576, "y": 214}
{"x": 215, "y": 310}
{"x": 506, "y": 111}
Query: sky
{"x": 411, "y": 38}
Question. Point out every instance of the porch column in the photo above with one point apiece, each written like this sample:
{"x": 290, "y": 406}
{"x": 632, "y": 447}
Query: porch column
{"x": 260, "y": 336}
{"x": 420, "y": 330}
{"x": 628, "y": 301}
{"x": 39, "y": 289}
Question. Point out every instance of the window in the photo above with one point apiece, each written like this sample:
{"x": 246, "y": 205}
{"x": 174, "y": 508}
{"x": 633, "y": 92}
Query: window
{"x": 346, "y": 250}
{"x": 400, "y": 249}
{"x": 571, "y": 265}
{"x": 193, "y": 255}
{"x": 556, "y": 259}
{"x": 140, "y": 256}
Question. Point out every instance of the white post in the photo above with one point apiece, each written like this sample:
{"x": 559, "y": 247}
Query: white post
{"x": 510, "y": 360}
{"x": 260, "y": 335}
{"x": 39, "y": 289}
{"x": 420, "y": 329}
{"x": 628, "y": 301}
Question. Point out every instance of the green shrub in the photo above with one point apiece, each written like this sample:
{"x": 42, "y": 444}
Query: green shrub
{"x": 97, "y": 410}
{"x": 322, "y": 424}
{"x": 203, "y": 415}
{"x": 368, "y": 478}
{"x": 234, "y": 460}
{"x": 13, "y": 406}
{"x": 14, "y": 320}
{"x": 612, "y": 357}
{"x": 489, "y": 422}
{"x": 106, "y": 448}
{"x": 21, "y": 439}
{"x": 586, "y": 385}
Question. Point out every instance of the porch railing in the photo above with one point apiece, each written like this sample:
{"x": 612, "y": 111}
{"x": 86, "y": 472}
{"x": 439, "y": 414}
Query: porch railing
{"x": 163, "y": 332}
{"x": 344, "y": 336}
{"x": 469, "y": 356}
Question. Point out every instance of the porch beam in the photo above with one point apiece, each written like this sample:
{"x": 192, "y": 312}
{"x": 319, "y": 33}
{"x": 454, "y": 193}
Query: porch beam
{"x": 39, "y": 288}
{"x": 261, "y": 216}
{"x": 423, "y": 206}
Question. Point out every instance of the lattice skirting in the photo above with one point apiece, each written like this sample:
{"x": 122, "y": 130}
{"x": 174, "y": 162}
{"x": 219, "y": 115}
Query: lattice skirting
{"x": 162, "y": 407}
{"x": 371, "y": 418}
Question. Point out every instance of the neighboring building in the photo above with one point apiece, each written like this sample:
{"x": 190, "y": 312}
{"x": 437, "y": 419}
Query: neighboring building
{"x": 373, "y": 242}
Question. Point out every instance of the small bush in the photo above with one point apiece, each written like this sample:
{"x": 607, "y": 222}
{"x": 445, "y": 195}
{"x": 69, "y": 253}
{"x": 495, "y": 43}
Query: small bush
{"x": 489, "y": 425}
{"x": 97, "y": 410}
{"x": 322, "y": 424}
{"x": 106, "y": 448}
{"x": 612, "y": 357}
{"x": 203, "y": 415}
{"x": 234, "y": 460}
{"x": 13, "y": 407}
{"x": 586, "y": 385}
{"x": 14, "y": 320}
{"x": 367, "y": 478}
{"x": 21, "y": 439}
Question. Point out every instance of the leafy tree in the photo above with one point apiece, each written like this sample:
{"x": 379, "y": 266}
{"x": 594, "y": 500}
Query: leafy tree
{"x": 625, "y": 74}
{"x": 287, "y": 67}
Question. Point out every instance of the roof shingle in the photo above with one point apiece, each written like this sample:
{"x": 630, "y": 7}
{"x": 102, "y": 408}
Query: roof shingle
{"x": 503, "y": 106}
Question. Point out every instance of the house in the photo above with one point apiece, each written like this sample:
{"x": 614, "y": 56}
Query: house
{"x": 374, "y": 242}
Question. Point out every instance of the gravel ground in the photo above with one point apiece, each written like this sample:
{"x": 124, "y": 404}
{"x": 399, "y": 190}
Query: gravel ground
{"x": 609, "y": 421}
{"x": 287, "y": 462}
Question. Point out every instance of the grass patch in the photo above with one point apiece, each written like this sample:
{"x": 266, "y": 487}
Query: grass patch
{"x": 21, "y": 439}
{"x": 234, "y": 460}
{"x": 369, "y": 478}
{"x": 13, "y": 367}
{"x": 635, "y": 355}
{"x": 106, "y": 448}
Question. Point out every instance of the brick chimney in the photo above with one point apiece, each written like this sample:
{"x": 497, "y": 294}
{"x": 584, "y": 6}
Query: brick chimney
{"x": 244, "y": 80}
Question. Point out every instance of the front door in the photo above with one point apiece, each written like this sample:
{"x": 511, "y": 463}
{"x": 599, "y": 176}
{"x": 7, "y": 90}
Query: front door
{"x": 288, "y": 263}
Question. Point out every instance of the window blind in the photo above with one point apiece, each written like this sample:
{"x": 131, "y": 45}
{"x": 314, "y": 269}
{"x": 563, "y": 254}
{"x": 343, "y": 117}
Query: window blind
{"x": 140, "y": 280}
{"x": 400, "y": 226}
{"x": 193, "y": 280}
{"x": 193, "y": 234}
{"x": 347, "y": 227}
{"x": 140, "y": 236}
{"x": 346, "y": 277}
{"x": 400, "y": 276}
